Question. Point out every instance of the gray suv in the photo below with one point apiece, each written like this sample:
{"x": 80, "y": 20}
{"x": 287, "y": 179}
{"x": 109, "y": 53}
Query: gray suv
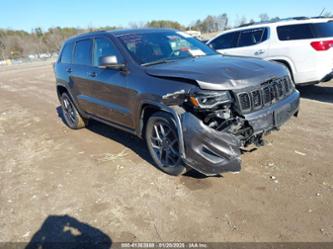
{"x": 194, "y": 108}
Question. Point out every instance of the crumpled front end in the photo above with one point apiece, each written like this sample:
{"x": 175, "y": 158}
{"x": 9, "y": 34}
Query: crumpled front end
{"x": 215, "y": 126}
{"x": 207, "y": 150}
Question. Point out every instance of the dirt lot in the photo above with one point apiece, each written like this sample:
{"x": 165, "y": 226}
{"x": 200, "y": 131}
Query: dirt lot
{"x": 102, "y": 178}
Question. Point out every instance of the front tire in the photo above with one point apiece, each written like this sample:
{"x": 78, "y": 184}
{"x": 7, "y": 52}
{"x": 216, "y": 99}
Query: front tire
{"x": 71, "y": 115}
{"x": 163, "y": 143}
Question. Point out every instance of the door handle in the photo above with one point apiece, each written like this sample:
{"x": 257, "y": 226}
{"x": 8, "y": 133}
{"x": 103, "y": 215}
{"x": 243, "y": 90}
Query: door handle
{"x": 69, "y": 70}
{"x": 259, "y": 52}
{"x": 93, "y": 74}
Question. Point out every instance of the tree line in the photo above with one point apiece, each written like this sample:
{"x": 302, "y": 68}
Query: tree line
{"x": 16, "y": 44}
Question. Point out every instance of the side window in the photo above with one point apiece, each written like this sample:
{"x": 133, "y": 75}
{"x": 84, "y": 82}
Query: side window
{"x": 265, "y": 35}
{"x": 226, "y": 41}
{"x": 323, "y": 29}
{"x": 295, "y": 32}
{"x": 104, "y": 47}
{"x": 66, "y": 54}
{"x": 82, "y": 54}
{"x": 251, "y": 37}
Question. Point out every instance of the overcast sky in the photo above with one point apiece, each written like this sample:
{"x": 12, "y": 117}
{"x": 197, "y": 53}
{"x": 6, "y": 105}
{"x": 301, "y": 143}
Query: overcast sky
{"x": 28, "y": 14}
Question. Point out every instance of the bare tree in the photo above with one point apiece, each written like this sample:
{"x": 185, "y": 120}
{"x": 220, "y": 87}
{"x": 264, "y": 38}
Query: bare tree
{"x": 211, "y": 23}
{"x": 275, "y": 19}
{"x": 264, "y": 17}
{"x": 327, "y": 14}
{"x": 243, "y": 20}
{"x": 137, "y": 25}
{"x": 240, "y": 21}
{"x": 221, "y": 22}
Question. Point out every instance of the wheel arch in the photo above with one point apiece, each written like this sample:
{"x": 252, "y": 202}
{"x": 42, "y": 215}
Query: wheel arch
{"x": 286, "y": 63}
{"x": 149, "y": 108}
{"x": 63, "y": 89}
{"x": 60, "y": 90}
{"x": 146, "y": 110}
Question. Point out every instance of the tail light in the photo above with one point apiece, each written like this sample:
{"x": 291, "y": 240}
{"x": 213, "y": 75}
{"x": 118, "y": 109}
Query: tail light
{"x": 322, "y": 45}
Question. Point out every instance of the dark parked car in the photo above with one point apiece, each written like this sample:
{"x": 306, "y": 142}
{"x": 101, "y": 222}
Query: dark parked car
{"x": 194, "y": 108}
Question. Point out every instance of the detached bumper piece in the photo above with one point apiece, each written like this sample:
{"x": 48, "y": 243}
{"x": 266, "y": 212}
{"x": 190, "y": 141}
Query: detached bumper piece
{"x": 209, "y": 151}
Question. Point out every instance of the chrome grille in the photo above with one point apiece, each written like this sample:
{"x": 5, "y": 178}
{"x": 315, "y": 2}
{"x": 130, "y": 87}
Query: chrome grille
{"x": 256, "y": 99}
{"x": 286, "y": 85}
{"x": 269, "y": 92}
{"x": 279, "y": 89}
{"x": 244, "y": 100}
{"x": 267, "y": 95}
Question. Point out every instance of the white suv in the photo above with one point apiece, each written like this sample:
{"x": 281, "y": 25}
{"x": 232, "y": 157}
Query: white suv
{"x": 301, "y": 44}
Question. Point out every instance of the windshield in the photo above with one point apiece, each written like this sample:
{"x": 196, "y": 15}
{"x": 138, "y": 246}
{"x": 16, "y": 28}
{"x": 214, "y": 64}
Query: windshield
{"x": 162, "y": 47}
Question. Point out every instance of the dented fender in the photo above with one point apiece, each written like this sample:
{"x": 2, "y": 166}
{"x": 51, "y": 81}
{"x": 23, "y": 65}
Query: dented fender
{"x": 204, "y": 149}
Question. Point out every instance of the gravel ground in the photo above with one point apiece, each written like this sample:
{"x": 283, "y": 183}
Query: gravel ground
{"x": 99, "y": 180}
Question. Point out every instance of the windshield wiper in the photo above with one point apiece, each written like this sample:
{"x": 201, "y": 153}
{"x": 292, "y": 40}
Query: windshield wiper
{"x": 163, "y": 61}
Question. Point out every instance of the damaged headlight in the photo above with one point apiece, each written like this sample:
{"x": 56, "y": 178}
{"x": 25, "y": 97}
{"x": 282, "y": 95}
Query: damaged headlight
{"x": 210, "y": 99}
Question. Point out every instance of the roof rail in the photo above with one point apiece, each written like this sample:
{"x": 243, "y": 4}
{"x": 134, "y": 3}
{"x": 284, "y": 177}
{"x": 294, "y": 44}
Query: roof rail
{"x": 86, "y": 33}
{"x": 318, "y": 17}
{"x": 92, "y": 32}
{"x": 275, "y": 21}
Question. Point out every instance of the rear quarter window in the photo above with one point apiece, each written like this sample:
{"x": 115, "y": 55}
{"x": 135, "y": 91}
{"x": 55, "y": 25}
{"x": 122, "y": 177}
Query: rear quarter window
{"x": 66, "y": 53}
{"x": 295, "y": 32}
{"x": 83, "y": 52}
{"x": 322, "y": 30}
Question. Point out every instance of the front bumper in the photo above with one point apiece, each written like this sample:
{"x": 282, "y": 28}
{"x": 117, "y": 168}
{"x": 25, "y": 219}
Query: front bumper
{"x": 207, "y": 150}
{"x": 212, "y": 152}
{"x": 274, "y": 116}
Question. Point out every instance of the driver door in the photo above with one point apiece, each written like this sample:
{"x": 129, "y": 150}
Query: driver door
{"x": 109, "y": 86}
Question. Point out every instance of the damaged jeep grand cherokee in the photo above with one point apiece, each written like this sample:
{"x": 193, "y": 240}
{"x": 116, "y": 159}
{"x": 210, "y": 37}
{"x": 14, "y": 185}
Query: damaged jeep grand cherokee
{"x": 195, "y": 109}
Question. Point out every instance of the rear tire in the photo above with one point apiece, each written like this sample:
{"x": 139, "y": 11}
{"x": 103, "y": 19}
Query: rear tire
{"x": 163, "y": 144}
{"x": 72, "y": 117}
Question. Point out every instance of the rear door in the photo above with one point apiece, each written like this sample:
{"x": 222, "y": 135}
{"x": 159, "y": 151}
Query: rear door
{"x": 79, "y": 72}
{"x": 63, "y": 66}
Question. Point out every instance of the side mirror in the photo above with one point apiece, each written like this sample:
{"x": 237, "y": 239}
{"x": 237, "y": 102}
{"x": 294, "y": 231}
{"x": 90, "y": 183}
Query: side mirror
{"x": 110, "y": 62}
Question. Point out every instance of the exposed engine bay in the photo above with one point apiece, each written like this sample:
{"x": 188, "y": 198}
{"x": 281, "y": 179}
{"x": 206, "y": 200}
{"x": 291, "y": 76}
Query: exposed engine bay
{"x": 226, "y": 111}
{"x": 224, "y": 118}
{"x": 217, "y": 125}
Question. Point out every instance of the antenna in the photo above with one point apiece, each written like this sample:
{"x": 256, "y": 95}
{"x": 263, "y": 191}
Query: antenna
{"x": 322, "y": 12}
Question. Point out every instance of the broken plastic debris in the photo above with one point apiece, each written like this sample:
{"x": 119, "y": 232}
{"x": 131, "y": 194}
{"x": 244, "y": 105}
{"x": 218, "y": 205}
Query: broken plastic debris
{"x": 174, "y": 94}
{"x": 26, "y": 234}
{"x": 300, "y": 153}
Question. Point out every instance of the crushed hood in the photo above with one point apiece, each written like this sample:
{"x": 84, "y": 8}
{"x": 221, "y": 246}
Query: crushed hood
{"x": 219, "y": 72}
